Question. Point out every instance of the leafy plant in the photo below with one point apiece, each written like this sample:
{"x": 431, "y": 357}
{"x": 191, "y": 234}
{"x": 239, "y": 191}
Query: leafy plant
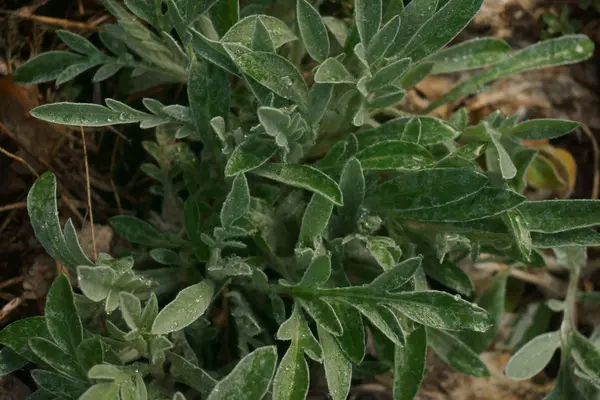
{"x": 309, "y": 219}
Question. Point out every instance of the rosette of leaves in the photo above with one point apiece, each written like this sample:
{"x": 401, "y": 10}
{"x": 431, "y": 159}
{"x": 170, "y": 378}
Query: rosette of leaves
{"x": 309, "y": 221}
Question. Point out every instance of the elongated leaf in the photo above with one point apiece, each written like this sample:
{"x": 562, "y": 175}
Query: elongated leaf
{"x": 56, "y": 358}
{"x": 338, "y": 370}
{"x": 313, "y": 31}
{"x": 394, "y": 154}
{"x": 137, "y": 231}
{"x": 251, "y": 377}
{"x": 413, "y": 16}
{"x": 533, "y": 356}
{"x": 576, "y": 237}
{"x": 409, "y": 364}
{"x": 433, "y": 131}
{"x": 367, "y": 15}
{"x": 332, "y": 71}
{"x": 507, "y": 167}
{"x": 554, "y": 216}
{"x": 10, "y": 361}
{"x": 77, "y": 42}
{"x": 389, "y": 74}
{"x": 319, "y": 98}
{"x": 486, "y": 203}
{"x": 474, "y": 53}
{"x": 61, "y": 315}
{"x": 16, "y": 336}
{"x": 292, "y": 378}
{"x": 441, "y": 28}
{"x": 213, "y": 52}
{"x": 187, "y": 307}
{"x": 275, "y": 73}
{"x": 237, "y": 202}
{"x": 61, "y": 386}
{"x": 418, "y": 190}
{"x": 241, "y": 32}
{"x": 566, "y": 49}
{"x": 261, "y": 39}
{"x": 383, "y": 40}
{"x": 352, "y": 184}
{"x": 186, "y": 372}
{"x": 45, "y": 67}
{"x": 315, "y": 219}
{"x": 81, "y": 114}
{"x": 456, "y": 353}
{"x": 249, "y": 155}
{"x": 303, "y": 176}
{"x": 352, "y": 340}
{"x": 586, "y": 355}
{"x": 323, "y": 314}
{"x": 397, "y": 276}
{"x": 449, "y": 275}
{"x": 540, "y": 129}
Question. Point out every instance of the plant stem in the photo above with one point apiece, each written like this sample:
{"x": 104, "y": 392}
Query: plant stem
{"x": 568, "y": 323}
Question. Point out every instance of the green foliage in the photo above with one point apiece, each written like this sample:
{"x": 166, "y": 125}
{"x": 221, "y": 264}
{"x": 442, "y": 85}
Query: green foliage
{"x": 306, "y": 221}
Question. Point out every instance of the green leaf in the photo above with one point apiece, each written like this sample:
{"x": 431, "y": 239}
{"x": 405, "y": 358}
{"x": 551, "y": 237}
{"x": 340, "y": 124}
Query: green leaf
{"x": 45, "y": 67}
{"x": 450, "y": 275}
{"x": 470, "y": 54}
{"x": 367, "y": 16}
{"x": 187, "y": 307}
{"x": 409, "y": 364}
{"x": 566, "y": 49}
{"x": 241, "y": 32}
{"x": 456, "y": 353}
{"x": 59, "y": 385}
{"x": 507, "y": 167}
{"x": 61, "y": 315}
{"x": 352, "y": 340}
{"x": 237, "y": 202}
{"x": 486, "y": 203}
{"x": 81, "y": 114}
{"x": 95, "y": 282}
{"x": 383, "y": 40}
{"x": 297, "y": 331}
{"x": 332, "y": 71}
{"x": 16, "y": 336}
{"x": 540, "y": 129}
{"x": 250, "y": 154}
{"x": 416, "y": 74}
{"x": 397, "y": 276}
{"x": 413, "y": 16}
{"x": 251, "y": 377}
{"x": 102, "y": 391}
{"x": 193, "y": 376}
{"x": 352, "y": 185}
{"x": 131, "y": 309}
{"x": 518, "y": 229}
{"x": 312, "y": 30}
{"x": 315, "y": 219}
{"x": 576, "y": 237}
{"x": 433, "y": 131}
{"x": 394, "y": 154}
{"x": 533, "y": 356}
{"x": 304, "y": 177}
{"x": 106, "y": 71}
{"x": 165, "y": 256}
{"x": 586, "y": 355}
{"x": 389, "y": 74}
{"x": 261, "y": 39}
{"x": 213, "y": 52}
{"x": 77, "y": 42}
{"x": 90, "y": 352}
{"x": 56, "y": 357}
{"x": 292, "y": 379}
{"x": 338, "y": 370}
{"x": 275, "y": 73}
{"x": 319, "y": 97}
{"x": 441, "y": 28}
{"x": 137, "y": 231}
{"x": 553, "y": 216}
{"x": 419, "y": 190}
{"x": 10, "y": 361}
{"x": 224, "y": 14}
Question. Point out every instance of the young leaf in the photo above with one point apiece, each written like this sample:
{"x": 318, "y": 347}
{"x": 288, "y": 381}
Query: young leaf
{"x": 389, "y": 74}
{"x": 131, "y": 309}
{"x": 418, "y": 190}
{"x": 383, "y": 40}
{"x": 394, "y": 154}
{"x": 319, "y": 98}
{"x": 533, "y": 357}
{"x": 316, "y": 217}
{"x": 251, "y": 377}
{"x": 456, "y": 353}
{"x": 90, "y": 352}
{"x": 137, "y": 231}
{"x": 540, "y": 129}
{"x": 367, "y": 15}
{"x": 250, "y": 154}
{"x": 333, "y": 72}
{"x": 507, "y": 167}
{"x": 187, "y": 307}
{"x": 304, "y": 177}
{"x": 413, "y": 16}
{"x": 77, "y": 43}
{"x": 396, "y": 277}
{"x": 102, "y": 391}
{"x": 237, "y": 203}
{"x": 409, "y": 364}
{"x": 470, "y": 54}
{"x": 338, "y": 370}
{"x": 312, "y": 30}
{"x": 46, "y": 67}
{"x": 553, "y": 216}
{"x": 61, "y": 315}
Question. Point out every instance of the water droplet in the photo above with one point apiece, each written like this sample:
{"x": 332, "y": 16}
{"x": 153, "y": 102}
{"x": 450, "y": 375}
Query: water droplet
{"x": 457, "y": 297}
{"x": 287, "y": 80}
{"x": 579, "y": 49}
{"x": 123, "y": 116}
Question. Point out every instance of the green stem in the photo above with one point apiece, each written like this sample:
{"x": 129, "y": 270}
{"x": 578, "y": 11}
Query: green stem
{"x": 568, "y": 323}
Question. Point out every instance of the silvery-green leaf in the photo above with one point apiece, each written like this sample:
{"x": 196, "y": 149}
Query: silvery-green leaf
{"x": 237, "y": 202}
{"x": 352, "y": 184}
{"x": 413, "y": 16}
{"x": 389, "y": 74}
{"x": 450, "y": 275}
{"x": 587, "y": 356}
{"x": 315, "y": 219}
{"x": 441, "y": 28}
{"x": 213, "y": 52}
{"x": 106, "y": 71}
{"x": 507, "y": 167}
{"x": 338, "y": 29}
{"x": 55, "y": 357}
{"x": 319, "y": 97}
{"x": 540, "y": 129}
{"x": 304, "y": 177}
{"x": 416, "y": 74}
{"x": 409, "y": 364}
{"x": 352, "y": 340}
{"x": 61, "y": 315}
{"x": 338, "y": 369}
{"x": 188, "y": 306}
{"x": 312, "y": 30}
{"x": 332, "y": 71}
{"x": 412, "y": 131}
{"x": 486, "y": 203}
{"x": 553, "y": 216}
{"x": 137, "y": 231}
{"x": 10, "y": 361}
{"x": 131, "y": 309}
{"x": 275, "y": 73}
{"x": 46, "y": 67}
{"x": 193, "y": 376}
{"x": 81, "y": 114}
{"x": 261, "y": 39}
{"x": 576, "y": 237}
{"x": 292, "y": 378}
{"x": 251, "y": 377}
{"x": 297, "y": 331}
{"x": 90, "y": 352}
{"x": 241, "y": 32}
{"x": 392, "y": 97}
{"x": 518, "y": 228}
{"x": 165, "y": 256}
{"x": 418, "y": 190}
{"x": 397, "y": 276}
{"x": 470, "y": 54}
{"x": 566, "y": 49}
{"x": 250, "y": 154}
{"x": 456, "y": 353}
{"x": 73, "y": 71}
{"x": 77, "y": 42}
{"x": 382, "y": 40}
{"x": 17, "y": 334}
{"x": 394, "y": 154}
{"x": 224, "y": 15}
{"x": 367, "y": 16}
{"x": 384, "y": 319}
{"x": 323, "y": 314}
{"x": 61, "y": 386}
{"x": 101, "y": 391}
{"x": 533, "y": 356}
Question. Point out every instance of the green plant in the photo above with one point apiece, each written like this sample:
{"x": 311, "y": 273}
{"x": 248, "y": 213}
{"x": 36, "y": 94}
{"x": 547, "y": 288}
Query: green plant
{"x": 307, "y": 221}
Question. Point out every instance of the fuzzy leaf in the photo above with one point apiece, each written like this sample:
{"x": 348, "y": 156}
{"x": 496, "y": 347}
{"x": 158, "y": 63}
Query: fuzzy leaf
{"x": 242, "y": 31}
{"x": 409, "y": 364}
{"x": 16, "y": 336}
{"x": 383, "y": 40}
{"x": 449, "y": 275}
{"x": 553, "y": 216}
{"x": 313, "y": 31}
{"x": 394, "y": 154}
{"x": 56, "y": 357}
{"x": 183, "y": 371}
{"x": 533, "y": 356}
{"x": 576, "y": 237}
{"x": 332, "y": 71}
{"x": 95, "y": 282}
{"x": 587, "y": 356}
{"x": 471, "y": 54}
{"x": 250, "y": 154}
{"x": 352, "y": 340}
{"x": 338, "y": 370}
{"x": 61, "y": 315}
{"x": 367, "y": 16}
{"x": 540, "y": 129}
{"x": 237, "y": 202}
{"x": 456, "y": 353}
{"x": 46, "y": 67}
{"x": 352, "y": 184}
{"x": 137, "y": 231}
{"x": 389, "y": 74}
{"x": 292, "y": 378}
{"x": 315, "y": 219}
{"x": 413, "y": 16}
{"x": 10, "y": 361}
